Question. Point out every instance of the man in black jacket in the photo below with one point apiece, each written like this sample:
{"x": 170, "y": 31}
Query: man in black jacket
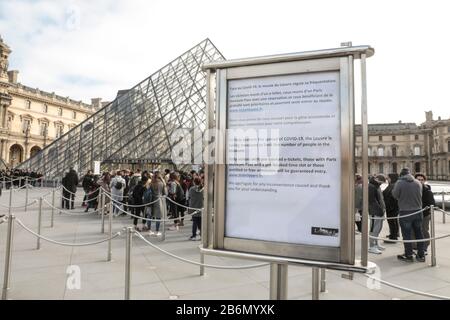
{"x": 391, "y": 208}
{"x": 72, "y": 183}
{"x": 427, "y": 200}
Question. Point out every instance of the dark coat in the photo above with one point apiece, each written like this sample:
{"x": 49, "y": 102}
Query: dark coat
{"x": 390, "y": 201}
{"x": 72, "y": 181}
{"x": 427, "y": 199}
{"x": 375, "y": 206}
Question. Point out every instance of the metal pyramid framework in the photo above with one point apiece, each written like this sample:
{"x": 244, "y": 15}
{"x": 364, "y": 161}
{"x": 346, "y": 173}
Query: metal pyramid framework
{"x": 138, "y": 123}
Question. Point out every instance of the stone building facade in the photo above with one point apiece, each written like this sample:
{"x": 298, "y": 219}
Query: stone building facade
{"x": 30, "y": 118}
{"x": 393, "y": 146}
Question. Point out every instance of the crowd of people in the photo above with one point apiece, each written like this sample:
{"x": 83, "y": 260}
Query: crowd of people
{"x": 18, "y": 177}
{"x": 146, "y": 195}
{"x": 401, "y": 200}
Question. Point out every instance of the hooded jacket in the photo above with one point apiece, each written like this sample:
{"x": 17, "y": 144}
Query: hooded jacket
{"x": 408, "y": 192}
{"x": 376, "y": 203}
{"x": 196, "y": 198}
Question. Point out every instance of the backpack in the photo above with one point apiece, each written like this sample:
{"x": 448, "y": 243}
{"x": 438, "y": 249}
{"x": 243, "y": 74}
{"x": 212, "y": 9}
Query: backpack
{"x": 148, "y": 195}
{"x": 118, "y": 185}
{"x": 181, "y": 198}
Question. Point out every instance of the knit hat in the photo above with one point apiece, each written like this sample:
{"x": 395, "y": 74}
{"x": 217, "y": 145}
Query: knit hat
{"x": 404, "y": 172}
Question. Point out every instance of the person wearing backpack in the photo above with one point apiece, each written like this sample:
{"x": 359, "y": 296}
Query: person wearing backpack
{"x": 196, "y": 202}
{"x": 178, "y": 197}
{"x": 158, "y": 192}
{"x": 133, "y": 182}
{"x": 138, "y": 201}
{"x": 117, "y": 187}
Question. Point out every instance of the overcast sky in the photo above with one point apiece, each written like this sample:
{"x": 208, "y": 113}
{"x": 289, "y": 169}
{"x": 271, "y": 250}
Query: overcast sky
{"x": 85, "y": 49}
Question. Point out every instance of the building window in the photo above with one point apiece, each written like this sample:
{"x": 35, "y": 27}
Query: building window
{"x": 381, "y": 167}
{"x": 27, "y": 104}
{"x": 370, "y": 167}
{"x": 45, "y": 108}
{"x": 380, "y": 138}
{"x": 417, "y": 167}
{"x": 417, "y": 151}
{"x": 369, "y": 150}
{"x": 74, "y": 115}
{"x": 380, "y": 151}
{"x": 448, "y": 146}
{"x": 448, "y": 129}
{"x": 60, "y": 112}
{"x": 26, "y": 124}
{"x": 356, "y": 152}
{"x": 394, "y": 138}
{"x": 416, "y": 137}
{"x": 394, "y": 167}
{"x": 394, "y": 151}
{"x": 59, "y": 131}
{"x": 44, "y": 129}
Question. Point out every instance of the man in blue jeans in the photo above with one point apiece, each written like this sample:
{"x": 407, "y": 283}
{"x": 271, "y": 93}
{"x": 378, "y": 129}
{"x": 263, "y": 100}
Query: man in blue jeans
{"x": 408, "y": 192}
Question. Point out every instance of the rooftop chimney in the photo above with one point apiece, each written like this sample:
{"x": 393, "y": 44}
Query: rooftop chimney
{"x": 12, "y": 76}
{"x": 96, "y": 103}
{"x": 428, "y": 116}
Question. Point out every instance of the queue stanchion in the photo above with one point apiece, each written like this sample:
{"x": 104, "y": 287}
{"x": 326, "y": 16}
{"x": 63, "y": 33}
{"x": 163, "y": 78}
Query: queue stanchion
{"x": 53, "y": 207}
{"x": 10, "y": 200}
{"x": 26, "y": 193}
{"x": 102, "y": 209}
{"x": 323, "y": 280}
{"x": 433, "y": 235}
{"x": 278, "y": 281}
{"x": 20, "y": 182}
{"x": 443, "y": 206}
{"x": 110, "y": 230}
{"x": 315, "y": 283}
{"x": 202, "y": 261}
{"x": 8, "y": 256}
{"x": 38, "y": 244}
{"x": 163, "y": 206}
{"x": 128, "y": 246}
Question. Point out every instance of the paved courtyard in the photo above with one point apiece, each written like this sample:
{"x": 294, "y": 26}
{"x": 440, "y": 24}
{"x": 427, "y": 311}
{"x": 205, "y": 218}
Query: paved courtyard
{"x": 42, "y": 274}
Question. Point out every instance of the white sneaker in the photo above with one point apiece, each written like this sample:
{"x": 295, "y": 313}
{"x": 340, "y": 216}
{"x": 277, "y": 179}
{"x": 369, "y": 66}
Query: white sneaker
{"x": 374, "y": 250}
{"x": 197, "y": 238}
{"x": 151, "y": 233}
{"x": 158, "y": 234}
{"x": 381, "y": 248}
{"x": 174, "y": 228}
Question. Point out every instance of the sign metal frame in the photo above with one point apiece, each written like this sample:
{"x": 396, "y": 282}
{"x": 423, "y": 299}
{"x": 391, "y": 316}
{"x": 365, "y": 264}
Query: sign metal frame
{"x": 340, "y": 60}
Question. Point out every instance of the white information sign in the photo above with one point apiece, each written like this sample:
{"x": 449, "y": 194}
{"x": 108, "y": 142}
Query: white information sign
{"x": 96, "y": 167}
{"x": 299, "y": 200}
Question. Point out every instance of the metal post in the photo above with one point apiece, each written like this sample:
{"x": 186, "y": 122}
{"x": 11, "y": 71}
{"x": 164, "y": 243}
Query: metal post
{"x": 202, "y": 261}
{"x": 20, "y": 182}
{"x": 323, "y": 280}
{"x": 26, "y": 193}
{"x": 164, "y": 210}
{"x": 8, "y": 257}
{"x": 53, "y": 208}
{"x": 443, "y": 206}
{"x": 315, "y": 283}
{"x": 10, "y": 199}
{"x": 278, "y": 281}
{"x": 110, "y": 229}
{"x": 365, "y": 164}
{"x": 128, "y": 246}
{"x": 38, "y": 246}
{"x": 433, "y": 234}
{"x": 102, "y": 209}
